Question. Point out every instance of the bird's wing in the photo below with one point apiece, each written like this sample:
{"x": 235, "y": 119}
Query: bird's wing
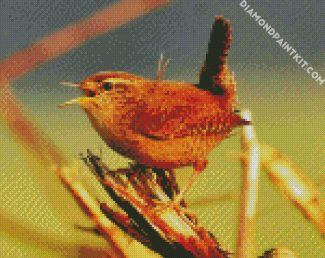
{"x": 164, "y": 122}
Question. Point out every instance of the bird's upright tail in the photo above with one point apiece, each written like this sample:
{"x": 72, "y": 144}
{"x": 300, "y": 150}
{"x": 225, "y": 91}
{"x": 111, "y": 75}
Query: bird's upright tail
{"x": 215, "y": 75}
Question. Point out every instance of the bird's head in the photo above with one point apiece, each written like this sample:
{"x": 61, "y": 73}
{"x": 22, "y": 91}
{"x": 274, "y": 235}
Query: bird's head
{"x": 104, "y": 86}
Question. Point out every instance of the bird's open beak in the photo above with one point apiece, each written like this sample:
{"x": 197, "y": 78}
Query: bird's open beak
{"x": 73, "y": 101}
{"x": 69, "y": 103}
{"x": 71, "y": 84}
{"x": 89, "y": 88}
{"x": 81, "y": 101}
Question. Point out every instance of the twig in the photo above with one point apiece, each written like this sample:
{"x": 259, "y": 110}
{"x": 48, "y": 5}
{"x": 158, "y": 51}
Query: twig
{"x": 246, "y": 243}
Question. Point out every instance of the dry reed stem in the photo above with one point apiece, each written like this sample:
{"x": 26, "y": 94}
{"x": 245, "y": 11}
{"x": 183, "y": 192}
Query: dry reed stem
{"x": 299, "y": 189}
{"x": 107, "y": 229}
{"x": 286, "y": 175}
{"x": 246, "y": 242}
{"x": 72, "y": 36}
{"x": 149, "y": 215}
{"x": 23, "y": 233}
{"x": 119, "y": 242}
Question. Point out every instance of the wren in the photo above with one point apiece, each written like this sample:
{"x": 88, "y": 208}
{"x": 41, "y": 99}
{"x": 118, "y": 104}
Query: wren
{"x": 159, "y": 123}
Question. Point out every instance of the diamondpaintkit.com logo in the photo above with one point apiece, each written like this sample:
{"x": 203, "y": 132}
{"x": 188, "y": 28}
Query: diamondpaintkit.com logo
{"x": 282, "y": 43}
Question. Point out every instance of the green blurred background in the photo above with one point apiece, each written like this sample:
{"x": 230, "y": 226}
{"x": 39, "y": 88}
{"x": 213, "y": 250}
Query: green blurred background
{"x": 37, "y": 215}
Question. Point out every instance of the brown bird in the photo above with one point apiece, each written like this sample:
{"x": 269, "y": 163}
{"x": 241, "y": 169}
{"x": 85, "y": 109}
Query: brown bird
{"x": 163, "y": 124}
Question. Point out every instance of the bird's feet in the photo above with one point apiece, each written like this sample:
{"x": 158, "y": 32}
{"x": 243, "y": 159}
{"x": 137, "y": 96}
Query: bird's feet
{"x": 177, "y": 204}
{"x": 161, "y": 205}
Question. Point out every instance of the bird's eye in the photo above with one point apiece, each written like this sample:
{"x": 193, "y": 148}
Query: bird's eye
{"x": 107, "y": 86}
